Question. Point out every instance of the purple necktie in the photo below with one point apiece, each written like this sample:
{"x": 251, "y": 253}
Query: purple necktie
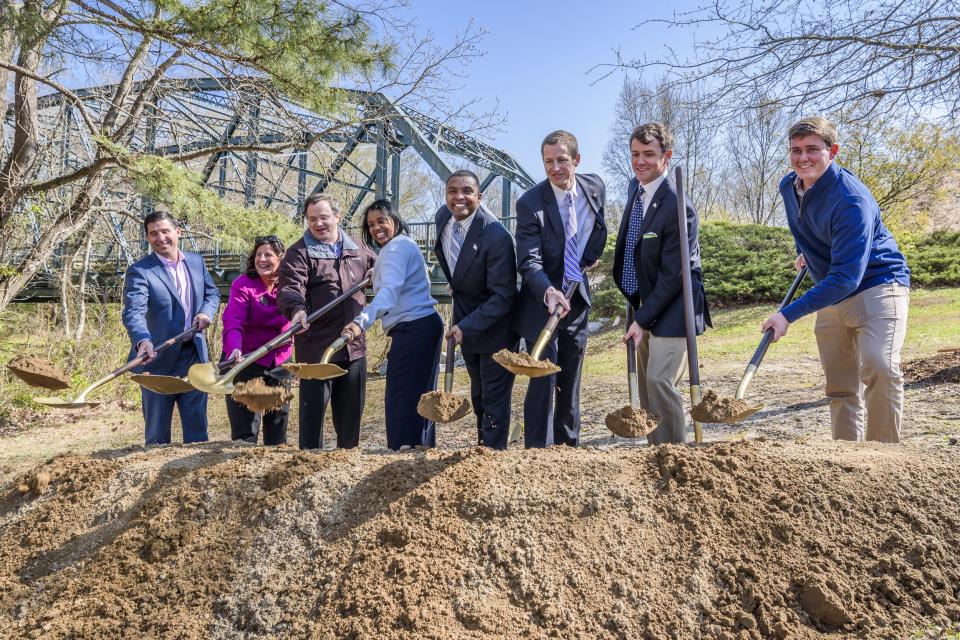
{"x": 571, "y": 261}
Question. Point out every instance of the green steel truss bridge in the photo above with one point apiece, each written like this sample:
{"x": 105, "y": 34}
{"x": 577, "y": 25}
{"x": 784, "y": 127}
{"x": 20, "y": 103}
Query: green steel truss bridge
{"x": 191, "y": 115}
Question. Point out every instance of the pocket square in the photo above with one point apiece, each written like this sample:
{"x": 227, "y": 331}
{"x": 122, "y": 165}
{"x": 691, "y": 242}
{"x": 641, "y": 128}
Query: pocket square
{"x": 649, "y": 234}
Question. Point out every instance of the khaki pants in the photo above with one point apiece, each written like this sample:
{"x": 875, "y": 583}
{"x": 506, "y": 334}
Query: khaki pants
{"x": 860, "y": 340}
{"x": 660, "y": 363}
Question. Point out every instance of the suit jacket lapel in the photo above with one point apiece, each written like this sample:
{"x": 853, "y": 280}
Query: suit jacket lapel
{"x": 196, "y": 287}
{"x": 591, "y": 194}
{"x": 470, "y": 247}
{"x": 654, "y": 208}
{"x": 551, "y": 210}
{"x": 443, "y": 219}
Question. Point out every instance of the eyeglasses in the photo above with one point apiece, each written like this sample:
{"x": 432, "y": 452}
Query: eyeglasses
{"x": 267, "y": 239}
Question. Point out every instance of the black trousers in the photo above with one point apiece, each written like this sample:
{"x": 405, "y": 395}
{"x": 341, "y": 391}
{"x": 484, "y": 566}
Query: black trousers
{"x": 491, "y": 388}
{"x": 245, "y": 424}
{"x": 412, "y": 366}
{"x": 551, "y": 409}
{"x": 347, "y": 394}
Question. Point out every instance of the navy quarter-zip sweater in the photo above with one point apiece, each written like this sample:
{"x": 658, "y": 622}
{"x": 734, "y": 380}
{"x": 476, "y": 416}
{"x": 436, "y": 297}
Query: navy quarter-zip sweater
{"x": 837, "y": 228}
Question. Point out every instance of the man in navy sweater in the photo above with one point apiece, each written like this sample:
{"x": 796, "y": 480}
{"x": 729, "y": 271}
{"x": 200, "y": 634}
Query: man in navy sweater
{"x": 861, "y": 291}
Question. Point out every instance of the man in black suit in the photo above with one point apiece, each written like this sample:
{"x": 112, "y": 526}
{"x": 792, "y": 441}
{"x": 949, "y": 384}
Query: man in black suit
{"x": 560, "y": 233}
{"x": 646, "y": 268}
{"x": 477, "y": 256}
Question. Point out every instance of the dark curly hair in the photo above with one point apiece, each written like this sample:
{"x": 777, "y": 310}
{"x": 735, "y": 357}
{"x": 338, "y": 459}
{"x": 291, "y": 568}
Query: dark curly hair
{"x": 387, "y": 208}
{"x": 275, "y": 243}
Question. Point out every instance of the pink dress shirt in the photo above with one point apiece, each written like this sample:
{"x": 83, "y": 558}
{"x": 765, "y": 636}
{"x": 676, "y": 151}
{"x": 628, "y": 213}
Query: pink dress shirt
{"x": 252, "y": 319}
{"x": 181, "y": 282}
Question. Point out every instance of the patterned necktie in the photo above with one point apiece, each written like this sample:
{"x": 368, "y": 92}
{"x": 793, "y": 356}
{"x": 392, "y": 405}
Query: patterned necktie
{"x": 456, "y": 243}
{"x": 633, "y": 234}
{"x": 571, "y": 259}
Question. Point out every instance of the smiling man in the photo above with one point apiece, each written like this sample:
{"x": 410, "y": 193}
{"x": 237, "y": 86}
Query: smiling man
{"x": 646, "y": 269}
{"x": 560, "y": 234}
{"x": 478, "y": 258}
{"x": 163, "y": 294}
{"x": 862, "y": 285}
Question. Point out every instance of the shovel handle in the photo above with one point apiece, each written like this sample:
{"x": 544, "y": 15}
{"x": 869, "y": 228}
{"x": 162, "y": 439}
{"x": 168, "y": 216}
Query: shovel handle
{"x": 632, "y": 382}
{"x": 552, "y": 323}
{"x": 448, "y": 365}
{"x": 768, "y": 334}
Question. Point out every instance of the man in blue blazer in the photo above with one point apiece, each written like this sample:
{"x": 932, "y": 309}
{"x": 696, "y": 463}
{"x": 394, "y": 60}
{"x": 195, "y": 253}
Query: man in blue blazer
{"x": 478, "y": 258}
{"x": 560, "y": 234}
{"x": 646, "y": 269}
{"x": 164, "y": 294}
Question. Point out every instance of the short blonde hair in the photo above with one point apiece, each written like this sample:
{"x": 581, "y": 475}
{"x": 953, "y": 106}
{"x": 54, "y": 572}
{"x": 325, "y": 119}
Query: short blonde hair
{"x": 817, "y": 126}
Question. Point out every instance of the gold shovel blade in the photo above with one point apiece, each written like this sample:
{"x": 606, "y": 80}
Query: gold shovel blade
{"x": 318, "y": 371}
{"x": 512, "y": 362}
{"x": 442, "y": 406}
{"x": 204, "y": 376}
{"x": 162, "y": 384}
{"x": 60, "y": 403}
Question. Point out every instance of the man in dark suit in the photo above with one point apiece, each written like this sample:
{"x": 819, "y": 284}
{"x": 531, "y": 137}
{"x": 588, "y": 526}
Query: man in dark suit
{"x": 478, "y": 258}
{"x": 560, "y": 233}
{"x": 164, "y": 294}
{"x": 646, "y": 268}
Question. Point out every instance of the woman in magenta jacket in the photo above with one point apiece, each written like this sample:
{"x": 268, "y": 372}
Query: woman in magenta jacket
{"x": 250, "y": 320}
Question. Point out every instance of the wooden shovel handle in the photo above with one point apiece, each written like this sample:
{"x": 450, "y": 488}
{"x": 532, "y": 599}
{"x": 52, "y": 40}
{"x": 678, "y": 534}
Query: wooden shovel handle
{"x": 448, "y": 365}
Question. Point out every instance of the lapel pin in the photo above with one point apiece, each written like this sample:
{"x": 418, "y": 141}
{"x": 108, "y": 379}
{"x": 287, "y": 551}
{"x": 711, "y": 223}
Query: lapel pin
{"x": 655, "y": 205}
{"x": 474, "y": 247}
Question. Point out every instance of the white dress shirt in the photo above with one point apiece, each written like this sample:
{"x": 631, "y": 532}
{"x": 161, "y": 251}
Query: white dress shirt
{"x": 649, "y": 190}
{"x": 446, "y": 238}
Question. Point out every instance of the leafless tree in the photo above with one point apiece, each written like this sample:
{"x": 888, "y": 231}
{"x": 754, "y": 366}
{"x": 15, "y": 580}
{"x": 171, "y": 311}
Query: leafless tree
{"x": 892, "y": 55}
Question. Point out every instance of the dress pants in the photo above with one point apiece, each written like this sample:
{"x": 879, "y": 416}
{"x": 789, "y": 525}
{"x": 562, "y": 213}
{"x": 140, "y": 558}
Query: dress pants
{"x": 192, "y": 405}
{"x": 245, "y": 424}
{"x": 347, "y": 393}
{"x": 551, "y": 408}
{"x": 491, "y": 388}
{"x": 860, "y": 339}
{"x": 412, "y": 366}
{"x": 660, "y": 364}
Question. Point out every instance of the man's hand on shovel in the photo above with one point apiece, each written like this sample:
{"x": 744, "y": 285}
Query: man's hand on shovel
{"x": 145, "y": 348}
{"x": 778, "y": 323}
{"x": 301, "y": 318}
{"x": 552, "y": 298}
{"x": 456, "y": 334}
{"x": 634, "y": 332}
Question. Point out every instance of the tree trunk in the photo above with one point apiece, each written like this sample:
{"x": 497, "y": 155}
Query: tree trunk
{"x": 82, "y": 296}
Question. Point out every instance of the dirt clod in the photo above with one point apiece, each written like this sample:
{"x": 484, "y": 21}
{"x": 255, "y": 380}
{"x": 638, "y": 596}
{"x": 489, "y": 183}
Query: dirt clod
{"x": 631, "y": 423}
{"x": 713, "y": 408}
{"x": 441, "y": 406}
{"x": 943, "y": 368}
{"x": 256, "y": 395}
{"x": 38, "y": 372}
{"x": 523, "y": 360}
{"x": 36, "y": 482}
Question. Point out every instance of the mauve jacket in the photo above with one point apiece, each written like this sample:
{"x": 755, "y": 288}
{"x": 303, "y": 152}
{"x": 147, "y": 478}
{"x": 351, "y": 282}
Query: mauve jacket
{"x": 252, "y": 319}
{"x": 310, "y": 281}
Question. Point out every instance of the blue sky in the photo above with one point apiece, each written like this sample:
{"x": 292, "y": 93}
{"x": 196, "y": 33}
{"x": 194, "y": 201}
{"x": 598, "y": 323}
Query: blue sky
{"x": 538, "y": 55}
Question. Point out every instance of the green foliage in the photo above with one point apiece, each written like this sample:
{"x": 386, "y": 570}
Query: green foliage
{"x": 747, "y": 263}
{"x": 182, "y": 192}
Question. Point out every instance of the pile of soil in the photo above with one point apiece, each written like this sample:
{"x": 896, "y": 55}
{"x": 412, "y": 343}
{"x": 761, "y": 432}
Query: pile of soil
{"x": 442, "y": 406}
{"x": 942, "y": 368}
{"x": 509, "y": 358}
{"x": 256, "y": 395}
{"x": 631, "y": 423}
{"x": 38, "y": 372}
{"x": 713, "y": 408}
{"x": 750, "y": 539}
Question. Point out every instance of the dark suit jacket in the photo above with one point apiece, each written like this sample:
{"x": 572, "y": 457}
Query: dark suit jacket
{"x": 484, "y": 283}
{"x": 658, "y": 303}
{"x": 152, "y": 310}
{"x": 540, "y": 240}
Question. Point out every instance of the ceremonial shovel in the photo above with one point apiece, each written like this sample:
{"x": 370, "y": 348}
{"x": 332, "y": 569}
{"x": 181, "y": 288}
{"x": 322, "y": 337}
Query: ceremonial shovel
{"x": 537, "y": 368}
{"x": 207, "y": 378}
{"x": 81, "y": 400}
{"x": 431, "y": 405}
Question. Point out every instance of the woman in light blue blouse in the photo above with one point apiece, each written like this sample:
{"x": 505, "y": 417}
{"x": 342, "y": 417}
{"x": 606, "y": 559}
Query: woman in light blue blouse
{"x": 402, "y": 302}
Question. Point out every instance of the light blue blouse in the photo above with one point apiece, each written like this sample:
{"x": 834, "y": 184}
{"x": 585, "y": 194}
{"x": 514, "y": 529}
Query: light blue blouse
{"x": 400, "y": 284}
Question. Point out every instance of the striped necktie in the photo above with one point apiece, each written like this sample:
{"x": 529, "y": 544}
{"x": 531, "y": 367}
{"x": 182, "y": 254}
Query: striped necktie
{"x": 571, "y": 258}
{"x": 633, "y": 233}
{"x": 456, "y": 243}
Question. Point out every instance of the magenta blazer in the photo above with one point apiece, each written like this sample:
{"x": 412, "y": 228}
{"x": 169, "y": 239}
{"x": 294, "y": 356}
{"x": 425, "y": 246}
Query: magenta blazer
{"x": 252, "y": 319}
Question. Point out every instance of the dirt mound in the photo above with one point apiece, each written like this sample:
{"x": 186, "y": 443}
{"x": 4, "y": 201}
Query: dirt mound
{"x": 38, "y": 372}
{"x": 939, "y": 369}
{"x": 751, "y": 539}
